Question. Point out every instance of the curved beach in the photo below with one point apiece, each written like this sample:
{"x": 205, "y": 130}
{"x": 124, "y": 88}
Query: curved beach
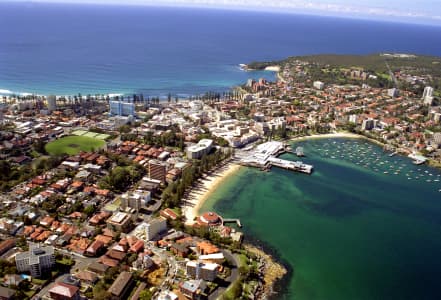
{"x": 336, "y": 135}
{"x": 200, "y": 192}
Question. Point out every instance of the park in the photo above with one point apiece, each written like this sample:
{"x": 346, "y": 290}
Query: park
{"x": 71, "y": 145}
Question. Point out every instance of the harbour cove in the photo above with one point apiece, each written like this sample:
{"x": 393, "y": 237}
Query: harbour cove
{"x": 364, "y": 225}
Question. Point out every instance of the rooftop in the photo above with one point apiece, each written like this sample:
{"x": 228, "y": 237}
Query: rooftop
{"x": 65, "y": 290}
{"x": 118, "y": 217}
{"x": 120, "y": 283}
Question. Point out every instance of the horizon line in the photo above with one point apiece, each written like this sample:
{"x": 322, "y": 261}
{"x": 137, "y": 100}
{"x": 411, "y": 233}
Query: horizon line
{"x": 434, "y": 21}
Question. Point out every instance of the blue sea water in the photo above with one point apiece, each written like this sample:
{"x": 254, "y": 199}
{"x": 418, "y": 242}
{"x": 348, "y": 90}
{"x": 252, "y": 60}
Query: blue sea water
{"x": 70, "y": 49}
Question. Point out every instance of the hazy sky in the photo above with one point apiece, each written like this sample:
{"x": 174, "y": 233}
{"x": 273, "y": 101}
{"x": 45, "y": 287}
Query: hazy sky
{"x": 427, "y": 11}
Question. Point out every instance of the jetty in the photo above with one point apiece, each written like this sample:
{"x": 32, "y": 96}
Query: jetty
{"x": 417, "y": 159}
{"x": 237, "y": 221}
{"x": 265, "y": 156}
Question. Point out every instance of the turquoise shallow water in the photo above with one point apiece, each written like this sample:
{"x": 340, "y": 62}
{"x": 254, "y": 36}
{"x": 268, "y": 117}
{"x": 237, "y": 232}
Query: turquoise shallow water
{"x": 348, "y": 231}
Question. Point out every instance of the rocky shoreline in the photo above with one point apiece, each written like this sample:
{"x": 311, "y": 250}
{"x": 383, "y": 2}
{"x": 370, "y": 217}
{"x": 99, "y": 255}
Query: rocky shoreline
{"x": 270, "y": 272}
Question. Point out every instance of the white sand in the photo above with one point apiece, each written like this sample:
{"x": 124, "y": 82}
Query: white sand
{"x": 273, "y": 68}
{"x": 337, "y": 135}
{"x": 328, "y": 135}
{"x": 193, "y": 201}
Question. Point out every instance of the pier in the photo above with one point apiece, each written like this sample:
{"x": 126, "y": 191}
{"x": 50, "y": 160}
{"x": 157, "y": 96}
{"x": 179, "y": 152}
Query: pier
{"x": 290, "y": 165}
{"x": 265, "y": 156}
{"x": 237, "y": 221}
{"x": 417, "y": 159}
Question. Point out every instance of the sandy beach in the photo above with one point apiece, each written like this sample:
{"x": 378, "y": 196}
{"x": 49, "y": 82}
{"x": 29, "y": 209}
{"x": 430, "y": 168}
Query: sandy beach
{"x": 200, "y": 192}
{"x": 336, "y": 135}
{"x": 273, "y": 68}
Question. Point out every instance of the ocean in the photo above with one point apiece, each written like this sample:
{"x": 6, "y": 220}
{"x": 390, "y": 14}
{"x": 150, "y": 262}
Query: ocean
{"x": 363, "y": 226}
{"x": 90, "y": 49}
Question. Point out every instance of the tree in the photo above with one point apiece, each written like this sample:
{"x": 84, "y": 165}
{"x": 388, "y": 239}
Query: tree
{"x": 131, "y": 258}
{"x": 89, "y": 210}
{"x": 125, "y": 129}
{"x": 7, "y": 267}
{"x": 52, "y": 203}
{"x": 38, "y": 146}
{"x": 122, "y": 177}
{"x": 145, "y": 295}
{"x": 5, "y": 169}
{"x": 111, "y": 275}
{"x": 100, "y": 291}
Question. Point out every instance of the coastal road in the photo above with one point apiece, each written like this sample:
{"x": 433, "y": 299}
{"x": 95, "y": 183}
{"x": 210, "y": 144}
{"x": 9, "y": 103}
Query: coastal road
{"x": 231, "y": 279}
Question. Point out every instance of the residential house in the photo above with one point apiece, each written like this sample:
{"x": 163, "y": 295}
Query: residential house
{"x": 63, "y": 291}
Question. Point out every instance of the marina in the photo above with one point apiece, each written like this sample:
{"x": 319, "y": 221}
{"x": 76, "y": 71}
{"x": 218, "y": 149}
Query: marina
{"x": 362, "y": 154}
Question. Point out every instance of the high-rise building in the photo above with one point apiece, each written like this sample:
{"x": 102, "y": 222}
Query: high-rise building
{"x": 393, "y": 92}
{"x": 428, "y": 95}
{"x": 36, "y": 261}
{"x": 51, "y": 103}
{"x": 121, "y": 108}
{"x": 154, "y": 227}
{"x": 135, "y": 200}
{"x": 157, "y": 170}
{"x": 428, "y": 92}
{"x": 200, "y": 149}
{"x": 368, "y": 124}
{"x": 205, "y": 271}
{"x": 428, "y": 100}
{"x": 319, "y": 85}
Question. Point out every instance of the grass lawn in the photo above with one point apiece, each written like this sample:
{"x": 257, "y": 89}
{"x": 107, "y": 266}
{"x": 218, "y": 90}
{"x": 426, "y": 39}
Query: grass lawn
{"x": 39, "y": 281}
{"x": 113, "y": 206}
{"x": 91, "y": 134}
{"x": 100, "y": 136}
{"x": 29, "y": 293}
{"x": 73, "y": 144}
{"x": 79, "y": 132}
{"x": 66, "y": 261}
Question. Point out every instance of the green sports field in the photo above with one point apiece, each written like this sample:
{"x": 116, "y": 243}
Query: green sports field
{"x": 73, "y": 144}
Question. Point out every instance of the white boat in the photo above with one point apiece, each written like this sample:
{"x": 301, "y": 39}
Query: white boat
{"x": 299, "y": 152}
